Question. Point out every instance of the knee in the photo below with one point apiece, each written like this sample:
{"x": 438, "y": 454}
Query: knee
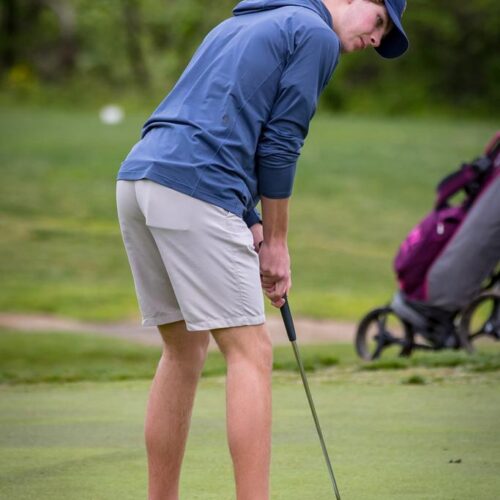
{"x": 198, "y": 348}
{"x": 188, "y": 350}
{"x": 252, "y": 348}
{"x": 187, "y": 360}
{"x": 265, "y": 353}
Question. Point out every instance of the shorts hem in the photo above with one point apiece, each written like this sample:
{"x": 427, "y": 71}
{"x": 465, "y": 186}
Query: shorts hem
{"x": 162, "y": 319}
{"x": 225, "y": 323}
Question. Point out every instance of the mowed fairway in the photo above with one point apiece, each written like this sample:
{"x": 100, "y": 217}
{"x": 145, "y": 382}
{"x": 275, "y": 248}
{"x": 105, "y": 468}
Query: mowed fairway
{"x": 388, "y": 440}
{"x": 423, "y": 428}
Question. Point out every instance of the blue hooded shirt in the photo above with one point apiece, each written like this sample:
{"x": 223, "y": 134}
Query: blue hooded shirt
{"x": 232, "y": 128}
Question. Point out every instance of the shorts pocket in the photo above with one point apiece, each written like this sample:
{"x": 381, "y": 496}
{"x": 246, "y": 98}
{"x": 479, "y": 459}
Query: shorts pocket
{"x": 165, "y": 208}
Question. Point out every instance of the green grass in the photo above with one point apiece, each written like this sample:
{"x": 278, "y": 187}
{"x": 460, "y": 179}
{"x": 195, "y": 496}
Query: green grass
{"x": 361, "y": 184}
{"x": 72, "y": 411}
{"x": 30, "y": 358}
{"x": 387, "y": 440}
{"x": 480, "y": 361}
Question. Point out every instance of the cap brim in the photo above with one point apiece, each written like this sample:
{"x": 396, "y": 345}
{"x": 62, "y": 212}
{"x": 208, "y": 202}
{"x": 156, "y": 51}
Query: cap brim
{"x": 395, "y": 43}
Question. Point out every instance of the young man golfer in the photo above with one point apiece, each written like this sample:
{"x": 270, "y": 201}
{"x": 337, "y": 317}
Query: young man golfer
{"x": 228, "y": 135}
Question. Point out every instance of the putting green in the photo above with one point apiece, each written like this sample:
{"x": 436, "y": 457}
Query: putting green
{"x": 387, "y": 440}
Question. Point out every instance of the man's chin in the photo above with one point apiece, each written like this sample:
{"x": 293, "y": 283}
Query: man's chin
{"x": 349, "y": 49}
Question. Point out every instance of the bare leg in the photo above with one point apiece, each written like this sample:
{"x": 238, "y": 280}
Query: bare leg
{"x": 248, "y": 354}
{"x": 169, "y": 407}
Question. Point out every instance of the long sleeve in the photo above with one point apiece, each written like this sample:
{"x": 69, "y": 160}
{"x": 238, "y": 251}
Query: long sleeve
{"x": 304, "y": 77}
{"x": 252, "y": 217}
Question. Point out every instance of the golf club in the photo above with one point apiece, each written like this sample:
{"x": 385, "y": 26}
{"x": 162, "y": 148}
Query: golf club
{"x": 290, "y": 331}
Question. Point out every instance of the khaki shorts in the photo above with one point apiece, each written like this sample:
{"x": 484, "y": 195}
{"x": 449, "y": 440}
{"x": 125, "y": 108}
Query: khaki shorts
{"x": 190, "y": 260}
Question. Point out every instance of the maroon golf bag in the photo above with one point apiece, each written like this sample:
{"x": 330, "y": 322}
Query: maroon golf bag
{"x": 428, "y": 239}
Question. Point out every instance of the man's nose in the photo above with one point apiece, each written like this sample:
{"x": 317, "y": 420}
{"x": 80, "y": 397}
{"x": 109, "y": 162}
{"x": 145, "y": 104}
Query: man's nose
{"x": 375, "y": 39}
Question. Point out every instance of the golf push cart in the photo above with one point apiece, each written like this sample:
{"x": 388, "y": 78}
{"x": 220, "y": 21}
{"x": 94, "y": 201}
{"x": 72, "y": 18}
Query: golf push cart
{"x": 408, "y": 323}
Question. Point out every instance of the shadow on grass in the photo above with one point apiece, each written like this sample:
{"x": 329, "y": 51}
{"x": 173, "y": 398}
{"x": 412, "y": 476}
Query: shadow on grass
{"x": 414, "y": 380}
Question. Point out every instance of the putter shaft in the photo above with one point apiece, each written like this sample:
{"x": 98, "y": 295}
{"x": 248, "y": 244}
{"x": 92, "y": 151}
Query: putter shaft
{"x": 315, "y": 418}
{"x": 290, "y": 330}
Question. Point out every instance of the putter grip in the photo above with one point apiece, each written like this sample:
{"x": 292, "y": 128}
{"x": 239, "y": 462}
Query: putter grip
{"x": 287, "y": 319}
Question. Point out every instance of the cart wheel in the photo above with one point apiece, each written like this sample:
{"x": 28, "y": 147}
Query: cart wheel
{"x": 481, "y": 318}
{"x": 382, "y": 330}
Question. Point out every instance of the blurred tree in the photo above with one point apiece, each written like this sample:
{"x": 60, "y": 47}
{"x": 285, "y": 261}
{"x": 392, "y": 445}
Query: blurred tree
{"x": 10, "y": 33}
{"x": 134, "y": 30}
{"x": 57, "y": 56}
{"x": 453, "y": 61}
{"x": 40, "y": 34}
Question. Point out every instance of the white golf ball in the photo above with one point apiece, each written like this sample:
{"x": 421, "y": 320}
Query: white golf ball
{"x": 111, "y": 114}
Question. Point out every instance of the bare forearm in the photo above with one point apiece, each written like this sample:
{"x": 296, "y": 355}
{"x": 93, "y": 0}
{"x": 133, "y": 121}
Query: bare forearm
{"x": 273, "y": 255}
{"x": 275, "y": 219}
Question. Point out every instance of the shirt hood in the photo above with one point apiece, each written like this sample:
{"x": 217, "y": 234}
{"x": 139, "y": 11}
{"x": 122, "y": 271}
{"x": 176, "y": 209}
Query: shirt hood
{"x": 252, "y": 6}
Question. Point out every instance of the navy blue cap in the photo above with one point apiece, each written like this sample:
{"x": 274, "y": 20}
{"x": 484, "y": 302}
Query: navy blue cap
{"x": 395, "y": 43}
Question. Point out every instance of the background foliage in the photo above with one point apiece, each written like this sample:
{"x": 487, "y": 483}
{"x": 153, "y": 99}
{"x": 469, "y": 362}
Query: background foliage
{"x": 88, "y": 49}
